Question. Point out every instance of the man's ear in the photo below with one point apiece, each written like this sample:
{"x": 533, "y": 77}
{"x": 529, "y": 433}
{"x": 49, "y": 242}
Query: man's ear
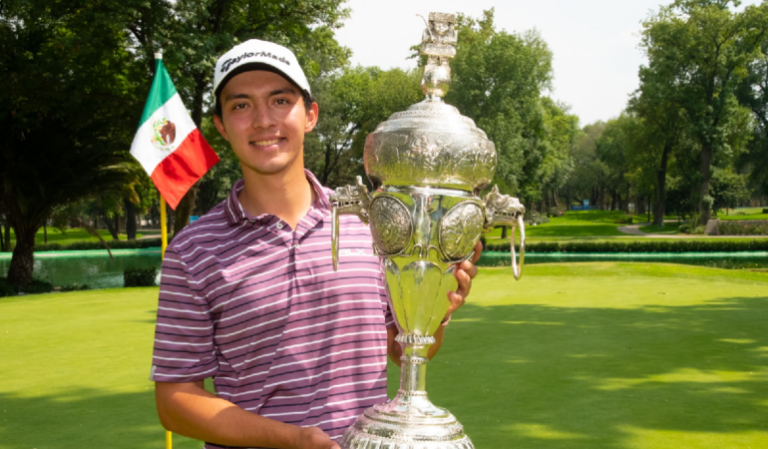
{"x": 312, "y": 114}
{"x": 220, "y": 127}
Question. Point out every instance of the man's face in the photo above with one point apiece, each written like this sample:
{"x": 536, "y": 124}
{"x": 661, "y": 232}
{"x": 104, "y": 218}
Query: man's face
{"x": 264, "y": 119}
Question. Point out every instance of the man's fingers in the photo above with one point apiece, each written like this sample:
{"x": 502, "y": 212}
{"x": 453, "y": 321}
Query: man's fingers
{"x": 478, "y": 252}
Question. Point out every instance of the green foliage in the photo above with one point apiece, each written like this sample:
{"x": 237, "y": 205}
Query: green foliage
{"x": 497, "y": 80}
{"x": 34, "y": 287}
{"x": 74, "y": 288}
{"x": 92, "y": 245}
{"x": 639, "y": 246}
{"x": 698, "y": 53}
{"x": 728, "y": 189}
{"x": 352, "y": 103}
{"x": 140, "y": 277}
{"x": 742, "y": 228}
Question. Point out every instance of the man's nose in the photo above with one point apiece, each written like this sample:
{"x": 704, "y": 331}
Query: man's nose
{"x": 263, "y": 117}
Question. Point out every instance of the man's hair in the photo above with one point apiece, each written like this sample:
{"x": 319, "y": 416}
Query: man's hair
{"x": 305, "y": 95}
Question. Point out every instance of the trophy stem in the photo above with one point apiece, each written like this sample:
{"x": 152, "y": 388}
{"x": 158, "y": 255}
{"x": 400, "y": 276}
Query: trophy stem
{"x": 413, "y": 370}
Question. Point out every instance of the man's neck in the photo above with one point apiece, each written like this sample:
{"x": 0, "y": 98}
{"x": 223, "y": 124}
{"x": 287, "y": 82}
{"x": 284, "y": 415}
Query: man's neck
{"x": 287, "y": 195}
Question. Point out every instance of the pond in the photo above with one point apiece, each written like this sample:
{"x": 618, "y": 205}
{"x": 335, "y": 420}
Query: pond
{"x": 92, "y": 268}
{"x": 95, "y": 269}
{"x": 754, "y": 260}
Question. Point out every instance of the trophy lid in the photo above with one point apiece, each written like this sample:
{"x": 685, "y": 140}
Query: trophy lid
{"x": 431, "y": 144}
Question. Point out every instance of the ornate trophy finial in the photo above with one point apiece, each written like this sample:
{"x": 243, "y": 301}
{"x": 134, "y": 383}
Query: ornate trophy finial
{"x": 427, "y": 166}
{"x": 439, "y": 43}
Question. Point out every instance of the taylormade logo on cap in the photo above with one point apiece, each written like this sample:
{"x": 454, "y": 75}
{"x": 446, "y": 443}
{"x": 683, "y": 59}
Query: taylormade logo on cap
{"x": 255, "y": 51}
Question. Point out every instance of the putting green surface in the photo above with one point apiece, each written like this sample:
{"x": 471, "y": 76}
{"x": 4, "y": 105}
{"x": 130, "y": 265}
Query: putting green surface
{"x": 603, "y": 355}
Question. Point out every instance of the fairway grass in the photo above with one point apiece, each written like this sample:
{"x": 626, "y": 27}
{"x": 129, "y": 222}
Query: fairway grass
{"x": 601, "y": 355}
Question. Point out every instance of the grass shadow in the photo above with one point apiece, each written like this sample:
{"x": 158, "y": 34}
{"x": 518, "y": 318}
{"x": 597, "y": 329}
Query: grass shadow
{"x": 537, "y": 376}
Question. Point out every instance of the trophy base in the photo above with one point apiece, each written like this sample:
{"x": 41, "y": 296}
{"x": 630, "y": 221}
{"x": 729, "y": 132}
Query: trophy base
{"x": 407, "y": 422}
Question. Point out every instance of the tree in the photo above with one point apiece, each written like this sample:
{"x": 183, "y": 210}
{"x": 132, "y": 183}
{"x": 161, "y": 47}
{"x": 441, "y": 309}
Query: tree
{"x": 352, "y": 103}
{"x": 700, "y": 50}
{"x": 497, "y": 80}
{"x": 587, "y": 181}
{"x": 67, "y": 97}
{"x": 663, "y": 128}
{"x": 729, "y": 189}
{"x": 194, "y": 33}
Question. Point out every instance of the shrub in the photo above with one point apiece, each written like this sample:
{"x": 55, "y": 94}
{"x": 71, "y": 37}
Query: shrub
{"x": 740, "y": 228}
{"x": 37, "y": 286}
{"x": 536, "y": 218}
{"x": 685, "y": 228}
{"x": 140, "y": 277}
{"x": 86, "y": 245}
{"x": 74, "y": 288}
{"x": 650, "y": 246}
{"x": 765, "y": 211}
{"x": 7, "y": 290}
{"x": 623, "y": 220}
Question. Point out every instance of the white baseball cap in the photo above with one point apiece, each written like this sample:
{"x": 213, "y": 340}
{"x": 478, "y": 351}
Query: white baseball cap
{"x": 254, "y": 53}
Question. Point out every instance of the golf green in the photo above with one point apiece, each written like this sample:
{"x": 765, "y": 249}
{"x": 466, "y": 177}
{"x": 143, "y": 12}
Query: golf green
{"x": 601, "y": 355}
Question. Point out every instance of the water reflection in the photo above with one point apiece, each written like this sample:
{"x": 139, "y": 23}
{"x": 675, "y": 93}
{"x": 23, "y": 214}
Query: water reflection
{"x": 92, "y": 268}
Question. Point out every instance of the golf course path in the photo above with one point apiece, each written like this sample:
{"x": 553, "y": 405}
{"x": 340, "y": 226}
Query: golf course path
{"x": 633, "y": 229}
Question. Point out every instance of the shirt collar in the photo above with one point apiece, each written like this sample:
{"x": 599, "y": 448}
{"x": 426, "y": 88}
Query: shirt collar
{"x": 236, "y": 214}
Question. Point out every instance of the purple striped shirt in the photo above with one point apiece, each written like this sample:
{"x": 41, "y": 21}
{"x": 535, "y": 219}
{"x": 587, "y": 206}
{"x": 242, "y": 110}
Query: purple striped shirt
{"x": 257, "y": 306}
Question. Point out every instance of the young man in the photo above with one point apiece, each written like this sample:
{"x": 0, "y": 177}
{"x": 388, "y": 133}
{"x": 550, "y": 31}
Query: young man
{"x": 249, "y": 296}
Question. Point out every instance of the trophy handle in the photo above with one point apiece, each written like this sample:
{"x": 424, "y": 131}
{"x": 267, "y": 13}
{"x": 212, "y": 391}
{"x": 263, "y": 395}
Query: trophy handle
{"x": 505, "y": 210}
{"x": 347, "y": 200}
{"x": 517, "y": 267}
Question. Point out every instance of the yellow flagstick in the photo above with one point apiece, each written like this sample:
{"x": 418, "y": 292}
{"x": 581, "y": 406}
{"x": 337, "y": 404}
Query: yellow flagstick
{"x": 164, "y": 244}
{"x": 163, "y": 225}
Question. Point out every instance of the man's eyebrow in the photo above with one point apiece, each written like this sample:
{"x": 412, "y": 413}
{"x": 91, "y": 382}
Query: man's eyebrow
{"x": 285, "y": 90}
{"x": 234, "y": 96}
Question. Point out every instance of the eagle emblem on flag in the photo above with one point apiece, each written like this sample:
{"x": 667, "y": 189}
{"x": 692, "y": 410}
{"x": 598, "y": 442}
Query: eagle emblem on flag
{"x": 163, "y": 133}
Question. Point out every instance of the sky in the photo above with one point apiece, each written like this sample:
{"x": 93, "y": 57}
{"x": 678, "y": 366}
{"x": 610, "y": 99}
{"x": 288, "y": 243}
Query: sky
{"x": 595, "y": 43}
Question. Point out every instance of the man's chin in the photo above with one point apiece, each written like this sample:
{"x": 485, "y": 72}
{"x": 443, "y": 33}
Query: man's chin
{"x": 267, "y": 169}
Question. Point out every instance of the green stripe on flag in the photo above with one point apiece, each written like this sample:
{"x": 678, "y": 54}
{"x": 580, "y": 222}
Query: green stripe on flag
{"x": 162, "y": 91}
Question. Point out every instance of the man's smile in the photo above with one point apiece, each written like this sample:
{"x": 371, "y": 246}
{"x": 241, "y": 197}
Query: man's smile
{"x": 265, "y": 143}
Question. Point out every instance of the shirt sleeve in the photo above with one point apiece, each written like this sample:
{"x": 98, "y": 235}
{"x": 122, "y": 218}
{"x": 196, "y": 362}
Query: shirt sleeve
{"x": 183, "y": 350}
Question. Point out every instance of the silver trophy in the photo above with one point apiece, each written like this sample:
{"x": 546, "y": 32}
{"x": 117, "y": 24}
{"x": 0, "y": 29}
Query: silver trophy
{"x": 427, "y": 166}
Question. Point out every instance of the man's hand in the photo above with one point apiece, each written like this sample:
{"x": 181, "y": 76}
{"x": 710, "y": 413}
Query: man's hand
{"x": 314, "y": 438}
{"x": 464, "y": 273}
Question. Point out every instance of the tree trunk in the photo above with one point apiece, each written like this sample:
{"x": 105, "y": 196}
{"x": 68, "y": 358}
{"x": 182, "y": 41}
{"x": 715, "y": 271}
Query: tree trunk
{"x": 661, "y": 185}
{"x": 503, "y": 232}
{"x": 649, "y": 209}
{"x": 7, "y": 227}
{"x": 706, "y": 177}
{"x": 110, "y": 227}
{"x": 22, "y": 261}
{"x": 45, "y": 233}
{"x": 117, "y": 227}
{"x": 2, "y": 239}
{"x": 184, "y": 210}
{"x": 130, "y": 219}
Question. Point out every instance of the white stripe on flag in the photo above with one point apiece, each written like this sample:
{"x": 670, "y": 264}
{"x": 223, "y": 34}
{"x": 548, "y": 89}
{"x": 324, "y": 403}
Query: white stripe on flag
{"x": 150, "y": 155}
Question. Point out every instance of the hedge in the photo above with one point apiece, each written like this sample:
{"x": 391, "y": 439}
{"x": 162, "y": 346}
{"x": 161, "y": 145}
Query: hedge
{"x": 140, "y": 277}
{"x": 635, "y": 246}
{"x": 113, "y": 244}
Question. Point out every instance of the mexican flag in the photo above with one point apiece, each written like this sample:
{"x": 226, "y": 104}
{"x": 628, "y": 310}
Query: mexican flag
{"x": 168, "y": 144}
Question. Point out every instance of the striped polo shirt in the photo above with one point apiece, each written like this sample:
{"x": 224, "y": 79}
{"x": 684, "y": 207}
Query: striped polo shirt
{"x": 257, "y": 306}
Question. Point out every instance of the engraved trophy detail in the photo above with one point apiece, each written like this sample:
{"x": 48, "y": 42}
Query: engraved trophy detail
{"x": 427, "y": 166}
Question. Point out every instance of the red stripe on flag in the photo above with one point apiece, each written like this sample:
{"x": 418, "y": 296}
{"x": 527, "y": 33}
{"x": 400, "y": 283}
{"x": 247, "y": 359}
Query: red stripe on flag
{"x": 178, "y": 172}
